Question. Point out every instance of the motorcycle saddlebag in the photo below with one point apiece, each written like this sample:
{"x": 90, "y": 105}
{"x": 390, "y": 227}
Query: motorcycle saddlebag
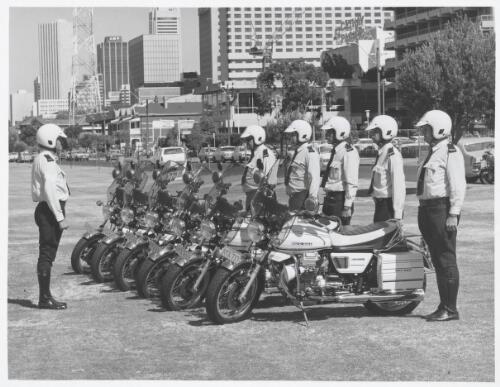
{"x": 400, "y": 271}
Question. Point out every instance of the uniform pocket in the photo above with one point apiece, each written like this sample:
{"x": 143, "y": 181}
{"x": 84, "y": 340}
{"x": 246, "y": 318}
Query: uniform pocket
{"x": 379, "y": 176}
{"x": 334, "y": 173}
{"x": 433, "y": 172}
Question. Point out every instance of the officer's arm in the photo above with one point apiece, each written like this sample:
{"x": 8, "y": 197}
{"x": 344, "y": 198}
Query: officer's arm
{"x": 313, "y": 171}
{"x": 49, "y": 173}
{"x": 351, "y": 173}
{"x": 271, "y": 168}
{"x": 455, "y": 173}
{"x": 398, "y": 185}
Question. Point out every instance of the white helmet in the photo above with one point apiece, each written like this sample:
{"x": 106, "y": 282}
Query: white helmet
{"x": 387, "y": 125}
{"x": 340, "y": 125}
{"x": 302, "y": 128}
{"x": 439, "y": 121}
{"x": 256, "y": 132}
{"x": 48, "y": 134}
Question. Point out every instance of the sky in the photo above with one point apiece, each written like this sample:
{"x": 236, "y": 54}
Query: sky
{"x": 127, "y": 22}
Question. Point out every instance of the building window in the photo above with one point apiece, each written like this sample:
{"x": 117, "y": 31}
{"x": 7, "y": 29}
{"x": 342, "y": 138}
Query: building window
{"x": 387, "y": 14}
{"x": 237, "y": 22}
{"x": 298, "y": 22}
{"x": 288, "y": 9}
{"x": 299, "y": 42}
{"x": 247, "y": 29}
{"x": 279, "y": 43}
{"x": 329, "y": 43}
{"x": 368, "y": 21}
{"x": 287, "y": 15}
{"x": 248, "y": 9}
{"x": 289, "y": 43}
{"x": 289, "y": 50}
{"x": 258, "y": 22}
{"x": 289, "y": 36}
{"x": 279, "y": 50}
{"x": 299, "y": 49}
{"x": 269, "y": 29}
{"x": 328, "y": 22}
{"x": 268, "y": 22}
{"x": 309, "y": 43}
{"x": 318, "y": 15}
{"x": 347, "y": 8}
{"x": 357, "y": 14}
{"x": 238, "y": 50}
{"x": 357, "y": 7}
{"x": 368, "y": 14}
{"x": 377, "y": 21}
{"x": 319, "y": 36}
{"x": 248, "y": 15}
{"x": 319, "y": 42}
{"x": 328, "y": 29}
{"x": 237, "y": 9}
{"x": 377, "y": 14}
{"x": 278, "y": 15}
{"x": 238, "y": 29}
{"x": 237, "y": 15}
{"x": 268, "y": 15}
{"x": 258, "y": 9}
{"x": 237, "y": 36}
{"x": 348, "y": 14}
{"x": 237, "y": 44}
{"x": 257, "y": 30}
{"x": 319, "y": 28}
{"x": 308, "y": 15}
{"x": 309, "y": 36}
{"x": 338, "y": 14}
{"x": 248, "y": 36}
{"x": 298, "y": 29}
{"x": 309, "y": 28}
{"x": 309, "y": 49}
{"x": 269, "y": 36}
{"x": 328, "y": 15}
{"x": 329, "y": 36}
{"x": 248, "y": 22}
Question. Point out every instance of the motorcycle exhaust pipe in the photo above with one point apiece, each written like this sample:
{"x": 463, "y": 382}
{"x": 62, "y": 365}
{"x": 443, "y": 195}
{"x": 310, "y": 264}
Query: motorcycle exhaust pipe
{"x": 250, "y": 282}
{"x": 416, "y": 295}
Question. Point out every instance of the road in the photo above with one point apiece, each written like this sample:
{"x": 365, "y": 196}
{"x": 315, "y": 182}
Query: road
{"x": 107, "y": 334}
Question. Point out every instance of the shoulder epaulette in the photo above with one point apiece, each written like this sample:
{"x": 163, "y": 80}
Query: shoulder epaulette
{"x": 265, "y": 153}
{"x": 348, "y": 147}
{"x": 311, "y": 148}
{"x": 48, "y": 157}
{"x": 451, "y": 148}
{"x": 390, "y": 152}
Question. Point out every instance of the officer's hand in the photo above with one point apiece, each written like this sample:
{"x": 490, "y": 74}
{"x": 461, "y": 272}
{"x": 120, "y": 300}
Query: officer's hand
{"x": 63, "y": 225}
{"x": 400, "y": 221}
{"x": 451, "y": 223}
{"x": 346, "y": 212}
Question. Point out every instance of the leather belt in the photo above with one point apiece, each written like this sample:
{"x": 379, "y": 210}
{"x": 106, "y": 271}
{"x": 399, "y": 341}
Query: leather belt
{"x": 434, "y": 202}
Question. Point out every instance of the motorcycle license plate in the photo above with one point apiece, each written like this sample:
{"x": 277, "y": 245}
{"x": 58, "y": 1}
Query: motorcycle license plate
{"x": 182, "y": 252}
{"x": 235, "y": 257}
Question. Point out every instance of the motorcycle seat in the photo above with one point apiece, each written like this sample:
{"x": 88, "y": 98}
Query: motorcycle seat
{"x": 363, "y": 238}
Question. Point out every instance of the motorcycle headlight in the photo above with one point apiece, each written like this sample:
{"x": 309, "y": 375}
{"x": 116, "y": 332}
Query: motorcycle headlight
{"x": 177, "y": 226}
{"x": 106, "y": 211}
{"x": 255, "y": 231}
{"x": 151, "y": 219}
{"x": 127, "y": 215}
{"x": 207, "y": 229}
{"x": 180, "y": 202}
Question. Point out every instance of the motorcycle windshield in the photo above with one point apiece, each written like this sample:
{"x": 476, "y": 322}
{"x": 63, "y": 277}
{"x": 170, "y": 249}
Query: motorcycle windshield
{"x": 265, "y": 197}
{"x": 213, "y": 199}
{"x": 185, "y": 199}
{"x": 166, "y": 174}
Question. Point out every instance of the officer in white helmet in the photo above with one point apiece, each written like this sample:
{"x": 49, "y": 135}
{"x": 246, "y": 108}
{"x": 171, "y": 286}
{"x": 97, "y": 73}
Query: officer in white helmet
{"x": 262, "y": 157}
{"x": 441, "y": 189}
{"x": 340, "y": 179}
{"x": 387, "y": 185}
{"x": 50, "y": 189}
{"x": 302, "y": 176}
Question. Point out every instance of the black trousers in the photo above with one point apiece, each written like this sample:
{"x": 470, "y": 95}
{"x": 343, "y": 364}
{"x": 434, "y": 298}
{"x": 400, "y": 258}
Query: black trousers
{"x": 249, "y": 197}
{"x": 333, "y": 204}
{"x": 49, "y": 235}
{"x": 296, "y": 200}
{"x": 442, "y": 245}
{"x": 383, "y": 209}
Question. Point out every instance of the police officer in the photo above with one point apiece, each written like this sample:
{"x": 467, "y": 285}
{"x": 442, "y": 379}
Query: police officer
{"x": 387, "y": 186}
{"x": 262, "y": 156}
{"x": 50, "y": 190}
{"x": 302, "y": 177}
{"x": 340, "y": 179}
{"x": 441, "y": 191}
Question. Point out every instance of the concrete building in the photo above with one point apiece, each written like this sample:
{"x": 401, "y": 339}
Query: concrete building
{"x": 49, "y": 107}
{"x": 154, "y": 60}
{"x": 36, "y": 89}
{"x": 55, "y": 45}
{"x": 412, "y": 27}
{"x": 165, "y": 21}
{"x": 21, "y": 106}
{"x": 112, "y": 63}
{"x": 156, "y": 94}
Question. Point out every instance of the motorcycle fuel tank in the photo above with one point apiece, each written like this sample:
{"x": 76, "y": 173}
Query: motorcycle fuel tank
{"x": 300, "y": 234}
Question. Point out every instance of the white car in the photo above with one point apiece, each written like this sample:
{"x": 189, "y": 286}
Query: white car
{"x": 12, "y": 156}
{"x": 176, "y": 154}
{"x": 365, "y": 143}
{"x": 325, "y": 151}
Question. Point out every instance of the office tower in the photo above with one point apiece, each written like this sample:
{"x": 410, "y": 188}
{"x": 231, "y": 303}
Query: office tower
{"x": 54, "y": 52}
{"x": 21, "y": 105}
{"x": 36, "y": 89}
{"x": 112, "y": 63}
{"x": 165, "y": 21}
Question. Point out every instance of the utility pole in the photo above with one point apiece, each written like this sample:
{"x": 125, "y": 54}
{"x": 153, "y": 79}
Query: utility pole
{"x": 378, "y": 77}
{"x": 147, "y": 124}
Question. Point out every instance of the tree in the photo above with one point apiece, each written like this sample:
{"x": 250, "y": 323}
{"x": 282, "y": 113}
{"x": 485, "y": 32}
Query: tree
{"x": 454, "y": 72}
{"x": 303, "y": 85}
{"x": 335, "y": 65}
{"x": 20, "y": 146}
{"x": 13, "y": 138}
{"x": 73, "y": 131}
{"x": 196, "y": 139}
{"x": 28, "y": 135}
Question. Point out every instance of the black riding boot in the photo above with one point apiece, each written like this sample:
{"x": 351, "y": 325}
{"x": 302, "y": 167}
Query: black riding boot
{"x": 443, "y": 293}
{"x": 45, "y": 300}
{"x": 452, "y": 287}
{"x": 449, "y": 301}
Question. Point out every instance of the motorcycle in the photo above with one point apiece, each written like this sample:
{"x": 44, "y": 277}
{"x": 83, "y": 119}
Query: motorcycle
{"x": 184, "y": 221}
{"x": 155, "y": 220}
{"x": 86, "y": 245}
{"x": 186, "y": 280}
{"x": 487, "y": 172}
{"x": 314, "y": 260}
{"x": 134, "y": 204}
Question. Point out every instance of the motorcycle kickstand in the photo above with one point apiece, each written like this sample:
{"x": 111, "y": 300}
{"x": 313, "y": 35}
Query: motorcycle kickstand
{"x": 300, "y": 305}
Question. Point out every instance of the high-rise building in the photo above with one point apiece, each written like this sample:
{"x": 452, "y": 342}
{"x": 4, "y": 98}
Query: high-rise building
{"x": 36, "y": 89}
{"x": 414, "y": 26}
{"x": 154, "y": 60}
{"x": 21, "y": 105}
{"x": 112, "y": 63}
{"x": 165, "y": 21}
{"x": 54, "y": 52}
{"x": 279, "y": 33}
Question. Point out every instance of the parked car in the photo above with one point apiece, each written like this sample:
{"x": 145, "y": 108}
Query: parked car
{"x": 12, "y": 157}
{"x": 80, "y": 154}
{"x": 365, "y": 143}
{"x": 26, "y": 157}
{"x": 473, "y": 149}
{"x": 325, "y": 151}
{"x": 207, "y": 153}
{"x": 242, "y": 153}
{"x": 171, "y": 153}
{"x": 113, "y": 154}
{"x": 225, "y": 153}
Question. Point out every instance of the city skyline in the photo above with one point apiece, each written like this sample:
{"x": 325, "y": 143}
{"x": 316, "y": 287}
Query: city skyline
{"x": 128, "y": 22}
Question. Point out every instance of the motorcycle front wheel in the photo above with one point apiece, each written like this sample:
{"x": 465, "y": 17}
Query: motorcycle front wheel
{"x": 149, "y": 277}
{"x": 176, "y": 290}
{"x": 222, "y": 304}
{"x": 487, "y": 176}
{"x": 103, "y": 260}
{"x": 126, "y": 266}
{"x": 82, "y": 253}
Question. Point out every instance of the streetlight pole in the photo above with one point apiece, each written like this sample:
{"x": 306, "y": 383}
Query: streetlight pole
{"x": 378, "y": 77}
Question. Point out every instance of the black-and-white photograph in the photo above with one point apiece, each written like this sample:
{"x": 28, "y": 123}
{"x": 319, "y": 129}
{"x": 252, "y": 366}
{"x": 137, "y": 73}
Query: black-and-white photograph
{"x": 250, "y": 192}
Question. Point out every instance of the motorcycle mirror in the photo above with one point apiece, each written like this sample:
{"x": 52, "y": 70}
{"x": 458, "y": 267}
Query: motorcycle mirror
{"x": 115, "y": 173}
{"x": 238, "y": 205}
{"x": 156, "y": 173}
{"x": 158, "y": 164}
{"x": 187, "y": 178}
{"x": 98, "y": 203}
{"x": 216, "y": 177}
{"x": 260, "y": 164}
{"x": 188, "y": 166}
{"x": 258, "y": 176}
{"x": 219, "y": 165}
{"x": 130, "y": 174}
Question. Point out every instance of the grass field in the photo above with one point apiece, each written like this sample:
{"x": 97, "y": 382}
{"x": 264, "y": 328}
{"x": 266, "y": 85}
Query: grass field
{"x": 107, "y": 334}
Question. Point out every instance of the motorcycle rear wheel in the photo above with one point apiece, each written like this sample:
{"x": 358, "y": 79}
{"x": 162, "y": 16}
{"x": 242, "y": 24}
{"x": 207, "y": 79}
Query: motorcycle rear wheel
{"x": 82, "y": 254}
{"x": 126, "y": 265}
{"x": 222, "y": 303}
{"x": 487, "y": 176}
{"x": 176, "y": 290}
{"x": 149, "y": 277}
{"x": 103, "y": 260}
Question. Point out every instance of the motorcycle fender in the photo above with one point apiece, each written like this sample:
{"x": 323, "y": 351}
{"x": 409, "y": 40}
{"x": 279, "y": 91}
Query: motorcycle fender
{"x": 163, "y": 254}
{"x": 135, "y": 243}
{"x": 113, "y": 239}
{"x": 92, "y": 234}
{"x": 181, "y": 262}
{"x": 277, "y": 256}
